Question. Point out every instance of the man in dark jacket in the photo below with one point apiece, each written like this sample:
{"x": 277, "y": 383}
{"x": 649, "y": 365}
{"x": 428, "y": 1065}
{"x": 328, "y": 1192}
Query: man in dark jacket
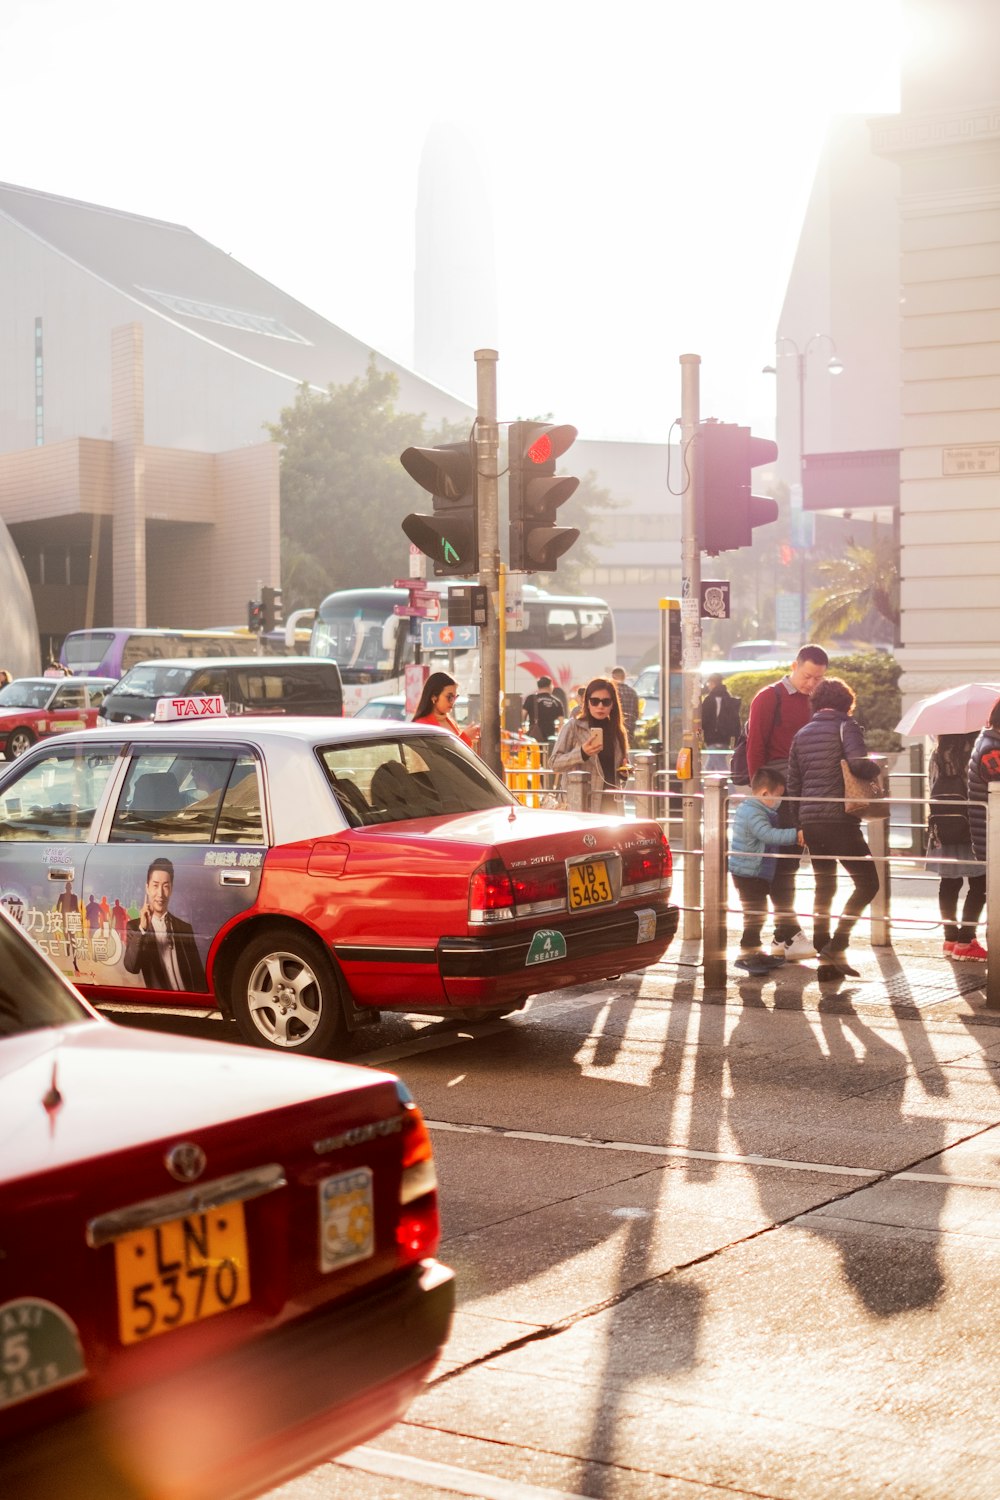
{"x": 831, "y": 833}
{"x": 984, "y": 767}
{"x": 777, "y": 714}
{"x": 720, "y": 716}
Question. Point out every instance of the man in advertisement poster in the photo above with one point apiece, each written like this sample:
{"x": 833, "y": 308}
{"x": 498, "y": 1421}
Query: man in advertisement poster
{"x": 158, "y": 945}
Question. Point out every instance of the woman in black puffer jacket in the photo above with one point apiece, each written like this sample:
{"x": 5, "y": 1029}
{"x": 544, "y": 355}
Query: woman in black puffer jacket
{"x": 829, "y": 830}
{"x": 984, "y": 767}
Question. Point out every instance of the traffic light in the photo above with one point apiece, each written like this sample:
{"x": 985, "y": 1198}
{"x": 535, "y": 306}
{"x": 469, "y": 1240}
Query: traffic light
{"x": 535, "y": 494}
{"x": 449, "y": 537}
{"x": 270, "y": 607}
{"x": 726, "y": 510}
{"x": 255, "y": 615}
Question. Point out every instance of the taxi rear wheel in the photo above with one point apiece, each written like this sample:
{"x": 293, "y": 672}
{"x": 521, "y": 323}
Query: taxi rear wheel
{"x": 286, "y": 995}
{"x": 20, "y": 740}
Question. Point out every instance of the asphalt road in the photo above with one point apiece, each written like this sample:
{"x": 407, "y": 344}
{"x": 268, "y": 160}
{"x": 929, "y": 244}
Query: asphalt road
{"x": 732, "y": 1245}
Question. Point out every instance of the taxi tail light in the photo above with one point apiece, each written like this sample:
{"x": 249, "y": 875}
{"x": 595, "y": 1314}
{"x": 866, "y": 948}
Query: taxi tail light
{"x": 491, "y": 893}
{"x": 649, "y": 865}
{"x": 545, "y": 883}
{"x": 418, "y": 1227}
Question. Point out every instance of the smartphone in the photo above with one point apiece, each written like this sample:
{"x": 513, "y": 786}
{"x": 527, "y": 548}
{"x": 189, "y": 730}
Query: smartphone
{"x": 600, "y": 734}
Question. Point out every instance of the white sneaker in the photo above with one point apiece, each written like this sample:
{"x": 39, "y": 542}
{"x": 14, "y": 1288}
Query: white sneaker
{"x": 800, "y": 947}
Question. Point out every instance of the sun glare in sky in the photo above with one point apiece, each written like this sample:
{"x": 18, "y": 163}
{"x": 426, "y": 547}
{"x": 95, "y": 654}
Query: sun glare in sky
{"x": 645, "y": 167}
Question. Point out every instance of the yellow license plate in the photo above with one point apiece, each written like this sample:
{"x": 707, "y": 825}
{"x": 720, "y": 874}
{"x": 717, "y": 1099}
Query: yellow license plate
{"x": 589, "y": 885}
{"x": 181, "y": 1272}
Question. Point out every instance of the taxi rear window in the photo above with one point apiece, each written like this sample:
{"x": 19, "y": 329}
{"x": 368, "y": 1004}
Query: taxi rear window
{"x": 173, "y": 798}
{"x": 391, "y": 781}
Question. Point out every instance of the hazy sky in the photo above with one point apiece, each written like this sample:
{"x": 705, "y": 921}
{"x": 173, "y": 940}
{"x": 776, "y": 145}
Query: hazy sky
{"x": 647, "y": 165}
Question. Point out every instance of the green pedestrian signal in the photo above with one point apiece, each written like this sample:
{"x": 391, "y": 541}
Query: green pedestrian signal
{"x": 450, "y": 536}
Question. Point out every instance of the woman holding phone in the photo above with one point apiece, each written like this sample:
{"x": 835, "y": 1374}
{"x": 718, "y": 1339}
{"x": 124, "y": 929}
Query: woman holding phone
{"x": 596, "y": 741}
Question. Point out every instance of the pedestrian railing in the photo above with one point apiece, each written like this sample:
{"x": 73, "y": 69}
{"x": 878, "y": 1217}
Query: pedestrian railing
{"x": 897, "y": 843}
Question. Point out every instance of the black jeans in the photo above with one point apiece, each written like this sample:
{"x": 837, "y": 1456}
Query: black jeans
{"x": 972, "y": 910}
{"x": 753, "y": 894}
{"x": 829, "y": 843}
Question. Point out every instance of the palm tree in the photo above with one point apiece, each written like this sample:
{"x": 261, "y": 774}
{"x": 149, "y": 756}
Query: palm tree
{"x": 863, "y": 582}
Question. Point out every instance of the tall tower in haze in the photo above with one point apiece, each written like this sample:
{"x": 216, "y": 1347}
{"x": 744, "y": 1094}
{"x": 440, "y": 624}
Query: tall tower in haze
{"x": 454, "y": 284}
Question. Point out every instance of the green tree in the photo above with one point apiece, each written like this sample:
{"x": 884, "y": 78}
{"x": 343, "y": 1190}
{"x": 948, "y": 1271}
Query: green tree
{"x": 861, "y": 584}
{"x": 343, "y": 490}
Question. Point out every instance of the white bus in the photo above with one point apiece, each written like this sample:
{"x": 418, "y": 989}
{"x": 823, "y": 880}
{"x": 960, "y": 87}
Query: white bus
{"x": 567, "y": 637}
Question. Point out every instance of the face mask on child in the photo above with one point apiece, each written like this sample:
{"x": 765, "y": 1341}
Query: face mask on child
{"x": 775, "y": 802}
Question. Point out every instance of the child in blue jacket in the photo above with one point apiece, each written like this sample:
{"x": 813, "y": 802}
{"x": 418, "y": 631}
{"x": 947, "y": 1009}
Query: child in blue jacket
{"x": 752, "y": 865}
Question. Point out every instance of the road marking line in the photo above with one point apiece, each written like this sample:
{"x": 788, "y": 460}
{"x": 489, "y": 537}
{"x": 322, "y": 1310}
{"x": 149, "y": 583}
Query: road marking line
{"x": 446, "y": 1476}
{"x": 686, "y": 1153}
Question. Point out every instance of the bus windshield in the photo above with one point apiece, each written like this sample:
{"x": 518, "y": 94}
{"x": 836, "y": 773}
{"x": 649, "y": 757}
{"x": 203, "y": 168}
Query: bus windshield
{"x": 84, "y": 651}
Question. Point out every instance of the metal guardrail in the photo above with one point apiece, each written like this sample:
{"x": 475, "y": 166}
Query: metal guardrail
{"x": 707, "y": 922}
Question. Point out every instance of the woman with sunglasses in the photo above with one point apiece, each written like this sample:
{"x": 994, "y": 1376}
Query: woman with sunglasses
{"x": 435, "y": 707}
{"x": 596, "y": 741}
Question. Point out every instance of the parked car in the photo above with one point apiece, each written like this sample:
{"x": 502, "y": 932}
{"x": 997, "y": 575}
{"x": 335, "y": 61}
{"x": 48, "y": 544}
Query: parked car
{"x": 303, "y": 874}
{"x": 393, "y": 706}
{"x": 31, "y": 708}
{"x": 217, "y": 1266}
{"x": 247, "y": 685}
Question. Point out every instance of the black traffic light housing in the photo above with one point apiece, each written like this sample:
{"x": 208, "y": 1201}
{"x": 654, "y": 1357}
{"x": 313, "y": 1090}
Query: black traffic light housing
{"x": 535, "y": 494}
{"x": 449, "y": 537}
{"x": 255, "y": 615}
{"x": 272, "y": 614}
{"x": 725, "y": 509}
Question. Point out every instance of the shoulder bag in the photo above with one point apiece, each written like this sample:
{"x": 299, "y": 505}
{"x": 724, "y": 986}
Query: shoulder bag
{"x": 869, "y": 798}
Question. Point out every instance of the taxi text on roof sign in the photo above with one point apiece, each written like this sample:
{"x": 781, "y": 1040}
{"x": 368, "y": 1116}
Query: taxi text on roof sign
{"x": 208, "y": 706}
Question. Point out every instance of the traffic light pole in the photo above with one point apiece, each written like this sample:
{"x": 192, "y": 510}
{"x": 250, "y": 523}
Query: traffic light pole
{"x": 690, "y": 642}
{"x": 487, "y": 446}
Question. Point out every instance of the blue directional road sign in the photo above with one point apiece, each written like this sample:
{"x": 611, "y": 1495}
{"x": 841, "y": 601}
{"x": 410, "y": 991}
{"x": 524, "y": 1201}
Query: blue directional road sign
{"x": 435, "y": 636}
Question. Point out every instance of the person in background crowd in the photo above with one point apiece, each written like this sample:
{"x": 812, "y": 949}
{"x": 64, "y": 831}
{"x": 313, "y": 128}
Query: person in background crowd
{"x": 752, "y": 863}
{"x": 576, "y": 700}
{"x": 56, "y": 669}
{"x": 629, "y": 700}
{"x": 949, "y": 849}
{"x": 777, "y": 713}
{"x": 984, "y": 767}
{"x": 5, "y": 677}
{"x": 435, "y": 707}
{"x": 543, "y": 710}
{"x": 831, "y": 833}
{"x": 720, "y": 723}
{"x": 596, "y": 741}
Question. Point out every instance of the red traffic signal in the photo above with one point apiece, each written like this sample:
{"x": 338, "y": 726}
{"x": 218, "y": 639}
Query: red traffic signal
{"x": 726, "y": 510}
{"x": 535, "y": 494}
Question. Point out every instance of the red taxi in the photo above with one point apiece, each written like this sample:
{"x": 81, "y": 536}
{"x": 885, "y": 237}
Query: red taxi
{"x": 33, "y": 707}
{"x": 216, "y": 1266}
{"x": 303, "y": 874}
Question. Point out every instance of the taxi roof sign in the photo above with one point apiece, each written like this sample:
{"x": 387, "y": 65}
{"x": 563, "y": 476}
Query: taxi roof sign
{"x": 206, "y": 706}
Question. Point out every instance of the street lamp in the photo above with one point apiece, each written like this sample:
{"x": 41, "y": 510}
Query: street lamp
{"x": 834, "y": 366}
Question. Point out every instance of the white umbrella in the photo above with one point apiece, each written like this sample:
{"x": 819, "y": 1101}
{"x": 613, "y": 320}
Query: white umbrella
{"x": 955, "y": 710}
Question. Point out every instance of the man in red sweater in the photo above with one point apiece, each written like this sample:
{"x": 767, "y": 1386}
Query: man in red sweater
{"x": 777, "y": 713}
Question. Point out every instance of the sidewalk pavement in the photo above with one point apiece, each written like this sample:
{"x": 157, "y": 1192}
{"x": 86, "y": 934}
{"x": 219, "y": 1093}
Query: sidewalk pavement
{"x": 911, "y": 975}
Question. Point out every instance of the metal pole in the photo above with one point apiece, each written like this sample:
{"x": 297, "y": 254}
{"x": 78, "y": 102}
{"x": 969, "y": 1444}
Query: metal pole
{"x": 487, "y": 445}
{"x": 716, "y": 889}
{"x": 993, "y": 895}
{"x": 800, "y": 538}
{"x": 878, "y": 843}
{"x": 690, "y": 641}
{"x": 645, "y": 763}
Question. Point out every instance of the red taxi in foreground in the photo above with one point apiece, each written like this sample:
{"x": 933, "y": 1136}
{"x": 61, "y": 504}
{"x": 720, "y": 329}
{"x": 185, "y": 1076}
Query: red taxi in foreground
{"x": 31, "y": 708}
{"x": 216, "y": 1266}
{"x": 304, "y": 873}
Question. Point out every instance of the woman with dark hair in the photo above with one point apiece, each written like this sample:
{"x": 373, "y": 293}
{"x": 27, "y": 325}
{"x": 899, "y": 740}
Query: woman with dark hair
{"x": 596, "y": 741}
{"x": 949, "y": 849}
{"x": 831, "y": 833}
{"x": 435, "y": 707}
{"x": 984, "y": 767}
